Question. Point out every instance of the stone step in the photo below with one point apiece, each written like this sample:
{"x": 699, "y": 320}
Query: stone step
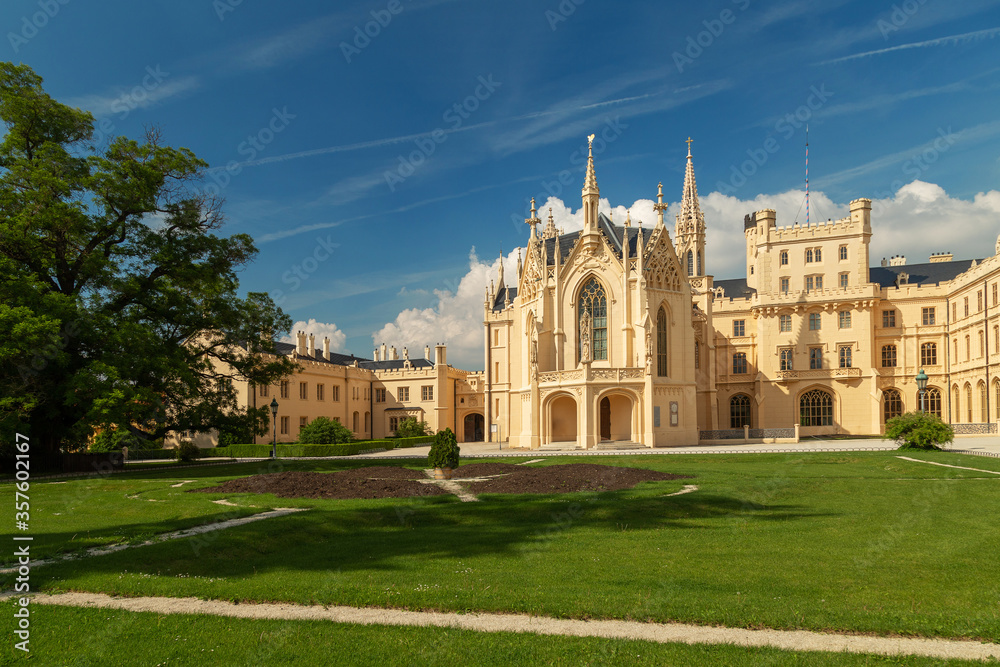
{"x": 620, "y": 445}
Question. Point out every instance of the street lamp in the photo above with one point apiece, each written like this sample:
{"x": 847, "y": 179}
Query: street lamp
{"x": 922, "y": 386}
{"x": 274, "y": 426}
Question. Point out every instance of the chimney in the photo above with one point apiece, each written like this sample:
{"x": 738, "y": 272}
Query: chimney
{"x": 406, "y": 354}
{"x": 375, "y": 354}
{"x": 939, "y": 257}
{"x": 383, "y": 356}
{"x": 395, "y": 355}
{"x": 440, "y": 355}
{"x": 897, "y": 260}
{"x": 326, "y": 348}
{"x": 311, "y": 350}
{"x": 300, "y": 343}
{"x": 427, "y": 352}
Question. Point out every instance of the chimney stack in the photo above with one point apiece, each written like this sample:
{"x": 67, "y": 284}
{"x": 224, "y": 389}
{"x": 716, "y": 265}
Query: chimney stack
{"x": 326, "y": 348}
{"x": 300, "y": 343}
{"x": 311, "y": 350}
{"x": 383, "y": 357}
{"x": 427, "y": 352}
{"x": 394, "y": 353}
{"x": 440, "y": 355}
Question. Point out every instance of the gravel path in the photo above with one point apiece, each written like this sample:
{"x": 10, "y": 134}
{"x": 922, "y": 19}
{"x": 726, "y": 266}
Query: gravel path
{"x": 793, "y": 640}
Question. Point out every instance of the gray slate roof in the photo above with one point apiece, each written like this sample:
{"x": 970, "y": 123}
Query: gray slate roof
{"x": 921, "y": 274}
{"x": 338, "y": 359}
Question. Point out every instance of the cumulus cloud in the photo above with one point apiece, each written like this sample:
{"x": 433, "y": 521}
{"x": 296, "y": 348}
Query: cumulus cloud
{"x": 911, "y": 222}
{"x": 338, "y": 339}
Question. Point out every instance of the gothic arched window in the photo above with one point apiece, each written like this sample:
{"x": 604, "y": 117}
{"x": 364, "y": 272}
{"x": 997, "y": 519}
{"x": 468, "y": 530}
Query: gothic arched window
{"x": 592, "y": 312}
{"x": 892, "y": 404}
{"x": 661, "y": 343}
{"x": 699, "y": 263}
{"x": 816, "y": 408}
{"x": 739, "y": 411}
{"x": 690, "y": 263}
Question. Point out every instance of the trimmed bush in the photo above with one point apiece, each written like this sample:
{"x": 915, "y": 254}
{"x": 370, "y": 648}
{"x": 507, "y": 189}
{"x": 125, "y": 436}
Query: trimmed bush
{"x": 264, "y": 451}
{"x": 444, "y": 451}
{"x": 919, "y": 430}
{"x": 324, "y": 431}
{"x": 410, "y": 427}
{"x": 188, "y": 451}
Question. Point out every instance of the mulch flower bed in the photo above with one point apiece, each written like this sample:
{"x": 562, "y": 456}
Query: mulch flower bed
{"x": 398, "y": 482}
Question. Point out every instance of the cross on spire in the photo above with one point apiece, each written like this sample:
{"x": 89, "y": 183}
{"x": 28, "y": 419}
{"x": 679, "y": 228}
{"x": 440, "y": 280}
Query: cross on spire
{"x": 689, "y": 141}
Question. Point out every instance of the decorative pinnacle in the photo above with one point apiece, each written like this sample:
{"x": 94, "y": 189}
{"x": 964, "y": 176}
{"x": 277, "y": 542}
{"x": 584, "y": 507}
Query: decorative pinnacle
{"x": 590, "y": 183}
{"x": 533, "y": 220}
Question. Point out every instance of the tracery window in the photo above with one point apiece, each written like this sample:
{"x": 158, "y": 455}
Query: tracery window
{"x": 592, "y": 313}
{"x": 661, "y": 343}
{"x": 739, "y": 411}
{"x": 816, "y": 408}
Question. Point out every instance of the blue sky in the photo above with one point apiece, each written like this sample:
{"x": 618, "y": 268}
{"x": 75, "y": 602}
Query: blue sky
{"x": 382, "y": 153}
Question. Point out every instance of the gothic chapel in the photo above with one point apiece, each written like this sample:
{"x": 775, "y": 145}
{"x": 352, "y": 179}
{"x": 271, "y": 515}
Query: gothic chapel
{"x": 596, "y": 343}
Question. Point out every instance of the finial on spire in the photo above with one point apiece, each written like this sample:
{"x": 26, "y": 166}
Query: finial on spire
{"x": 689, "y": 140}
{"x": 628, "y": 218}
{"x": 533, "y": 220}
{"x": 590, "y": 144}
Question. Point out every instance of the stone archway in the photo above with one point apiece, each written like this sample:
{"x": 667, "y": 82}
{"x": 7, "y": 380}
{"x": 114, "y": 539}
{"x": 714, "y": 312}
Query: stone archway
{"x": 474, "y": 427}
{"x": 615, "y": 418}
{"x": 562, "y": 419}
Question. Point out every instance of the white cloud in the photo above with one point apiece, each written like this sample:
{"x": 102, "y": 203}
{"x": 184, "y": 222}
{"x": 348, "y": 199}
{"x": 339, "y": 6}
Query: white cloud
{"x": 910, "y": 223}
{"x": 122, "y": 101}
{"x": 338, "y": 339}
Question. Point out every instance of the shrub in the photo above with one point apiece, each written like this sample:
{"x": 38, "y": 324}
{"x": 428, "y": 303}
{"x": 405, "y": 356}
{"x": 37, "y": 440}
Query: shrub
{"x": 410, "y": 427}
{"x": 918, "y": 430}
{"x": 444, "y": 451}
{"x": 187, "y": 451}
{"x": 324, "y": 431}
{"x": 113, "y": 439}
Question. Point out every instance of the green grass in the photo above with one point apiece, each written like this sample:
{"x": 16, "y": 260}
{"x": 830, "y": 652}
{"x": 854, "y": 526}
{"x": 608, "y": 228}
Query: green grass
{"x": 82, "y": 637}
{"x": 859, "y": 541}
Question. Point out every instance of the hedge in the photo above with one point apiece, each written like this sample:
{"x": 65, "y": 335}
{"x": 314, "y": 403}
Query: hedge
{"x": 150, "y": 454}
{"x": 264, "y": 451}
{"x": 414, "y": 441}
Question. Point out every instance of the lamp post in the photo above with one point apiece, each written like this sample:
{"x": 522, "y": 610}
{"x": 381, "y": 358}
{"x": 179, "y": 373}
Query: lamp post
{"x": 274, "y": 426}
{"x": 922, "y": 386}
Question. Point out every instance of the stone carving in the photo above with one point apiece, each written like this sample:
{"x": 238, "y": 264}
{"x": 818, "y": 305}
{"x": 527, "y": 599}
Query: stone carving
{"x": 585, "y": 337}
{"x": 533, "y": 352}
{"x": 649, "y": 351}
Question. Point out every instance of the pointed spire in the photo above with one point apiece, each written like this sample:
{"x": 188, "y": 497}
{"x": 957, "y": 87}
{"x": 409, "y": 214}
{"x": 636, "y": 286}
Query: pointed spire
{"x": 550, "y": 227}
{"x": 519, "y": 259}
{"x": 591, "y": 194}
{"x": 590, "y": 182}
{"x": 500, "y": 283}
{"x": 628, "y": 218}
{"x": 689, "y": 233}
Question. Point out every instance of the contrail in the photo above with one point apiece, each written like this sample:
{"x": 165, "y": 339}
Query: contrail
{"x": 965, "y": 37}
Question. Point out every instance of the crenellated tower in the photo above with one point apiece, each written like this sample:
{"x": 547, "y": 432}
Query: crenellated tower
{"x": 689, "y": 233}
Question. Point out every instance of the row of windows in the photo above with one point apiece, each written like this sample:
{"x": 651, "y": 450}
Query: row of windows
{"x": 979, "y": 303}
{"x": 967, "y": 414}
{"x": 816, "y": 406}
{"x": 844, "y": 320}
{"x": 813, "y": 255}
{"x": 815, "y": 283}
{"x": 928, "y": 357}
{"x": 982, "y": 344}
{"x": 360, "y": 393}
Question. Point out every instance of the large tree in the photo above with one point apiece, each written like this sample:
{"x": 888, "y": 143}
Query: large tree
{"x": 119, "y": 302}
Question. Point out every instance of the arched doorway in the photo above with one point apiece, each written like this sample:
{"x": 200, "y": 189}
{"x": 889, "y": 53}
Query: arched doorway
{"x": 615, "y": 418}
{"x": 474, "y": 427}
{"x": 562, "y": 420}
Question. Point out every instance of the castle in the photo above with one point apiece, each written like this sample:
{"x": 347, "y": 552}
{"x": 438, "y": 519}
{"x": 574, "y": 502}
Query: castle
{"x": 617, "y": 335}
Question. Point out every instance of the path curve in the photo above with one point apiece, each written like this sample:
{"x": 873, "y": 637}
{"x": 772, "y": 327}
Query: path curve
{"x": 793, "y": 640}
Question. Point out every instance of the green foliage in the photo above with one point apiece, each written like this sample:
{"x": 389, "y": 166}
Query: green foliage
{"x": 444, "y": 451}
{"x": 119, "y": 302}
{"x": 919, "y": 430}
{"x": 242, "y": 427}
{"x": 324, "y": 431}
{"x": 416, "y": 441}
{"x": 410, "y": 427}
{"x": 264, "y": 451}
{"x": 113, "y": 439}
{"x": 188, "y": 451}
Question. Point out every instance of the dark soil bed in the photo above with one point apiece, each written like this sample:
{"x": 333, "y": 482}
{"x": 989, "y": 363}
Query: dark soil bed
{"x": 338, "y": 485}
{"x": 570, "y": 477}
{"x": 397, "y": 482}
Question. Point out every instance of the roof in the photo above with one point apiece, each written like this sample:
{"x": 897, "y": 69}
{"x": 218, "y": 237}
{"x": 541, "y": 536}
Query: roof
{"x": 501, "y": 298}
{"x": 395, "y": 364}
{"x": 619, "y": 238}
{"x": 735, "y": 289}
{"x": 338, "y": 359}
{"x": 929, "y": 273}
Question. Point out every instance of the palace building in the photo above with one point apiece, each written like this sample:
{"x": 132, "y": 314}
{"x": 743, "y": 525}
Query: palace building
{"x": 618, "y": 336}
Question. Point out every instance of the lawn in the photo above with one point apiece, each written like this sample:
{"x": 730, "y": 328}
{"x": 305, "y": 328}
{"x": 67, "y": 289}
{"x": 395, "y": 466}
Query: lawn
{"x": 102, "y": 637}
{"x": 859, "y": 542}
